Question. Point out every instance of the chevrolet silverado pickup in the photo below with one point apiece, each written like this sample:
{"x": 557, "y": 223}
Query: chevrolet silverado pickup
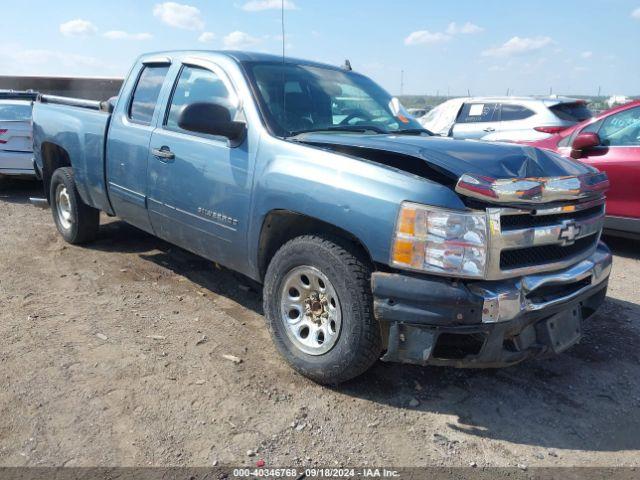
{"x": 371, "y": 237}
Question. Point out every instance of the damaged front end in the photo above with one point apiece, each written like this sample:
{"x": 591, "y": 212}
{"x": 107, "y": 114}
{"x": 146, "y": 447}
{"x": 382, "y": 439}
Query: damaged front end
{"x": 510, "y": 276}
{"x": 434, "y": 321}
{"x": 544, "y": 271}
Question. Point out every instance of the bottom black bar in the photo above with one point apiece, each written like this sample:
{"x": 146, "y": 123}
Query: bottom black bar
{"x": 232, "y": 473}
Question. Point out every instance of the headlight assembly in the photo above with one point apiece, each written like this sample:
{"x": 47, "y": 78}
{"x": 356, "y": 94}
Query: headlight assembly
{"x": 445, "y": 242}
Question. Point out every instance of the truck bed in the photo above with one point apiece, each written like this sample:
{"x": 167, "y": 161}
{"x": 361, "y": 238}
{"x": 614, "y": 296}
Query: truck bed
{"x": 78, "y": 127}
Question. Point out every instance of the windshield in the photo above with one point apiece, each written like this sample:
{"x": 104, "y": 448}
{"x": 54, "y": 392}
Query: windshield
{"x": 14, "y": 112}
{"x": 303, "y": 98}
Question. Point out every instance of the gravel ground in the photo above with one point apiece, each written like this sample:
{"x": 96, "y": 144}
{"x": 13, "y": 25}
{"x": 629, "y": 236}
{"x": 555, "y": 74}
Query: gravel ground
{"x": 114, "y": 354}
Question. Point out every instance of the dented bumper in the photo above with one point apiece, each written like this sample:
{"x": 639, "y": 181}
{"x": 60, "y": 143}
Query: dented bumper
{"x": 488, "y": 324}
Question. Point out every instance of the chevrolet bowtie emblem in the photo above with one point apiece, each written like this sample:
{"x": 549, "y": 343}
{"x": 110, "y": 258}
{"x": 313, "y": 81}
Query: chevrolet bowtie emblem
{"x": 569, "y": 232}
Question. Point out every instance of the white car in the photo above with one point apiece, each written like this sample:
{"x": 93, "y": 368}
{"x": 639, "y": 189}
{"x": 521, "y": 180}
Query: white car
{"x": 16, "y": 148}
{"x": 505, "y": 118}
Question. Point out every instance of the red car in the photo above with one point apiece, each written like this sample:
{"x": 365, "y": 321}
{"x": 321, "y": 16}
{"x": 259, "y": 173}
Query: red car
{"x": 611, "y": 143}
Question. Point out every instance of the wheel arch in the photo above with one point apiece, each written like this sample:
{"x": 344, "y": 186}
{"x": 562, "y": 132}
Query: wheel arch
{"x": 53, "y": 157}
{"x": 280, "y": 226}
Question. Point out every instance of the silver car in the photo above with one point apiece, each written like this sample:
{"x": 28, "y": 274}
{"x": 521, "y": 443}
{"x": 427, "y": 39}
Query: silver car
{"x": 505, "y": 118}
{"x": 16, "y": 149}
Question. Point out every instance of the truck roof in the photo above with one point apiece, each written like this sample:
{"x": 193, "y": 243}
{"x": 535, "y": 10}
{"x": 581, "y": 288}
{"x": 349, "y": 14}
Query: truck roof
{"x": 242, "y": 57}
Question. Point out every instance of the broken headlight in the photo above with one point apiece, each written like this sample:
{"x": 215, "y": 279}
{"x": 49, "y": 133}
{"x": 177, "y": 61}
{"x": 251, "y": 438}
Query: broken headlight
{"x": 444, "y": 242}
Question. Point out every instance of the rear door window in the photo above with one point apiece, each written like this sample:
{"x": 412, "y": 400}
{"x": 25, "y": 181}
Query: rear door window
{"x": 145, "y": 96}
{"x": 511, "y": 112}
{"x": 479, "y": 112}
{"x": 572, "y": 112}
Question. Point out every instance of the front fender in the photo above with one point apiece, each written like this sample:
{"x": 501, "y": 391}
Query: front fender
{"x": 356, "y": 195}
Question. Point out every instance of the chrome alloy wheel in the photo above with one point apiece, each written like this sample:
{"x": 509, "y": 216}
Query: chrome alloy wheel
{"x": 63, "y": 203}
{"x": 310, "y": 310}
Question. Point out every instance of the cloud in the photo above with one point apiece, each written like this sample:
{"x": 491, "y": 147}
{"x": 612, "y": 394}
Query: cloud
{"x": 636, "y": 14}
{"x": 425, "y": 37}
{"x": 467, "y": 29}
{"x": 21, "y": 61}
{"x": 518, "y": 46}
{"x": 122, "y": 35}
{"x": 259, "y": 5}
{"x": 238, "y": 39}
{"x": 78, "y": 28}
{"x": 179, "y": 15}
{"x": 207, "y": 37}
{"x": 586, "y": 54}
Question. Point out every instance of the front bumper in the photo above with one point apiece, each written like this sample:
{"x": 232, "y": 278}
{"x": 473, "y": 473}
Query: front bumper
{"x": 488, "y": 324}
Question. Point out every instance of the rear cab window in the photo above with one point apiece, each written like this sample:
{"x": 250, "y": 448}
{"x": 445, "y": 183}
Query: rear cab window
{"x": 145, "y": 95}
{"x": 571, "y": 112}
{"x": 479, "y": 112}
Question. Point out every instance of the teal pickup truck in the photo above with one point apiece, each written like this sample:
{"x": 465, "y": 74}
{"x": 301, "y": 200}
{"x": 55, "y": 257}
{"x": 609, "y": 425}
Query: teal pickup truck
{"x": 373, "y": 239}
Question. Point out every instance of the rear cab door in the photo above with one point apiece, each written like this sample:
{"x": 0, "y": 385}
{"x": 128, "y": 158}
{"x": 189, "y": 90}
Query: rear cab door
{"x": 477, "y": 119}
{"x": 129, "y": 135}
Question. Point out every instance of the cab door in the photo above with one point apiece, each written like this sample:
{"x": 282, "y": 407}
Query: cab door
{"x": 129, "y": 134}
{"x": 476, "y": 120}
{"x": 199, "y": 185}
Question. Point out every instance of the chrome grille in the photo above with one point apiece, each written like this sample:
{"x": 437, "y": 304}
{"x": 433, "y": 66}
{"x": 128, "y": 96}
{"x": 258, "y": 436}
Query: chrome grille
{"x": 523, "y": 242}
{"x": 514, "y": 222}
{"x": 532, "y": 256}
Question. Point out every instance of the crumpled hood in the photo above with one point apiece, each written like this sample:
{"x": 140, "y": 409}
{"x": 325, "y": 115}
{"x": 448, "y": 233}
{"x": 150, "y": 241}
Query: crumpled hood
{"x": 457, "y": 157}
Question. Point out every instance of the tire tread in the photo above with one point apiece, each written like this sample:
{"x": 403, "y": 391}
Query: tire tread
{"x": 368, "y": 346}
{"x": 87, "y": 221}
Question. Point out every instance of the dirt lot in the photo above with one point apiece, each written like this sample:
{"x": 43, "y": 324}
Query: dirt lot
{"x": 113, "y": 355}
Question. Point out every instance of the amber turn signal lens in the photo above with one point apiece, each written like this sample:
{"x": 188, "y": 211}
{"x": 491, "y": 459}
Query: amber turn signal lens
{"x": 407, "y": 221}
{"x": 403, "y": 252}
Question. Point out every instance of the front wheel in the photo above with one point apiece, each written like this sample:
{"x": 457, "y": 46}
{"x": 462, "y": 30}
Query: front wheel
{"x": 318, "y": 304}
{"x": 76, "y": 221}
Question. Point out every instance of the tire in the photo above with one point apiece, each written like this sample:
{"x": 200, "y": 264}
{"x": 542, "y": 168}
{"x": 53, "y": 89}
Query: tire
{"x": 340, "y": 314}
{"x": 76, "y": 221}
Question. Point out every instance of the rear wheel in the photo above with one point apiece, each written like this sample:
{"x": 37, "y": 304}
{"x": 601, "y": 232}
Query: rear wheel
{"x": 76, "y": 221}
{"x": 317, "y": 300}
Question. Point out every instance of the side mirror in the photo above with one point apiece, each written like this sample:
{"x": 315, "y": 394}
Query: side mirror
{"x": 211, "y": 119}
{"x": 582, "y": 142}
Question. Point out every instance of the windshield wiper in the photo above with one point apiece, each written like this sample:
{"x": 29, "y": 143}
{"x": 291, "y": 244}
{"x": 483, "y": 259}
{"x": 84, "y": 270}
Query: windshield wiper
{"x": 342, "y": 128}
{"x": 412, "y": 131}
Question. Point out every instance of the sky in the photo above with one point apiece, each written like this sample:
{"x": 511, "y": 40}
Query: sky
{"x": 413, "y": 47}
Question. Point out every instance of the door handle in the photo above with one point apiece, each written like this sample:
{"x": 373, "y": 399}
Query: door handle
{"x": 163, "y": 153}
{"x": 489, "y": 129}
